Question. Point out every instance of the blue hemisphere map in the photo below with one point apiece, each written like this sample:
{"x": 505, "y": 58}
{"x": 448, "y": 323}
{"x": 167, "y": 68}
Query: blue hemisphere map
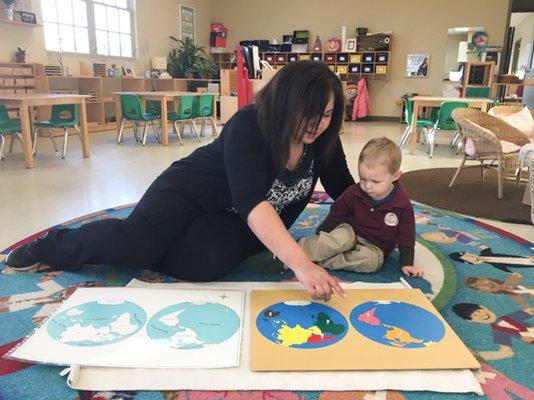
{"x": 191, "y": 325}
{"x": 301, "y": 324}
{"x": 398, "y": 324}
{"x": 97, "y": 323}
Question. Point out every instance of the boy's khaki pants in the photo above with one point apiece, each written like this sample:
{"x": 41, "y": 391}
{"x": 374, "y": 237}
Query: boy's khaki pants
{"x": 341, "y": 248}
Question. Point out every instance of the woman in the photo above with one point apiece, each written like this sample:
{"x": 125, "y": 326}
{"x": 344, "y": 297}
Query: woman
{"x": 230, "y": 199}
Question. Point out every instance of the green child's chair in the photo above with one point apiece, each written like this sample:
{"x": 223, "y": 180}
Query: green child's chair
{"x": 131, "y": 111}
{"x": 63, "y": 116}
{"x": 185, "y": 114}
{"x": 8, "y": 127}
{"x": 422, "y": 123}
{"x": 205, "y": 114}
{"x": 443, "y": 122}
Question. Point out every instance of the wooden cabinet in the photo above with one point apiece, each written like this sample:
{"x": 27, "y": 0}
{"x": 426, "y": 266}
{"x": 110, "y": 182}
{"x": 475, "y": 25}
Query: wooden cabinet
{"x": 224, "y": 60}
{"x": 19, "y": 78}
{"x": 371, "y": 59}
{"x": 478, "y": 78}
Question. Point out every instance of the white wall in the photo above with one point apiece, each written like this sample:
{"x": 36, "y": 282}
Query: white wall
{"x": 418, "y": 26}
{"x": 450, "y": 62}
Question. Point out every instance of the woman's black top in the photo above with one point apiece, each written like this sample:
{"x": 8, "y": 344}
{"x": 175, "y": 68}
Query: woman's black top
{"x": 236, "y": 171}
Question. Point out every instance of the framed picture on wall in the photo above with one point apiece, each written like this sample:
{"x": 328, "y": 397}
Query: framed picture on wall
{"x": 187, "y": 22}
{"x": 28, "y": 17}
{"x": 417, "y": 65}
{"x": 351, "y": 45}
{"x": 128, "y": 71}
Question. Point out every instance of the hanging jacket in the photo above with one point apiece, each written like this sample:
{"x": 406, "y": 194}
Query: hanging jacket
{"x": 362, "y": 105}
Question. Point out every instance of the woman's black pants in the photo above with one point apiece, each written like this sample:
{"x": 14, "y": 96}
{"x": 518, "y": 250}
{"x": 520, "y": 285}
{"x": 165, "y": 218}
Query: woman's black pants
{"x": 165, "y": 233}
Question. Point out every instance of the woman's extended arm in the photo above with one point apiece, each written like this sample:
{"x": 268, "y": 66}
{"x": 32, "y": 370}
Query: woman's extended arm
{"x": 268, "y": 227}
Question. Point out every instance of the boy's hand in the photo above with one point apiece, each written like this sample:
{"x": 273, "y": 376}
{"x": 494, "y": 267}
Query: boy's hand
{"x": 412, "y": 270}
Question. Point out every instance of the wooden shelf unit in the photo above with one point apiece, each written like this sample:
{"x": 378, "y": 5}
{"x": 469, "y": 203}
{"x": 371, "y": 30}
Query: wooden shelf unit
{"x": 479, "y": 76}
{"x": 224, "y": 60}
{"x": 18, "y": 23}
{"x": 501, "y": 91}
{"x": 371, "y": 59}
{"x": 18, "y": 78}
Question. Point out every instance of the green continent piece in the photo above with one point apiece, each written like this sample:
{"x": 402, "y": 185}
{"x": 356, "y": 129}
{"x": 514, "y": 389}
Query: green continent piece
{"x": 326, "y": 325}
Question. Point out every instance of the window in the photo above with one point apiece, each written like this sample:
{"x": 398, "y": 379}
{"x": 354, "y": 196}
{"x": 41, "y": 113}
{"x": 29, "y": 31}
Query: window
{"x": 113, "y": 28}
{"x": 97, "y": 27}
{"x": 65, "y": 25}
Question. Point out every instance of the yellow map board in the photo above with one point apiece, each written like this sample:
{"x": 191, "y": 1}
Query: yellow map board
{"x": 372, "y": 329}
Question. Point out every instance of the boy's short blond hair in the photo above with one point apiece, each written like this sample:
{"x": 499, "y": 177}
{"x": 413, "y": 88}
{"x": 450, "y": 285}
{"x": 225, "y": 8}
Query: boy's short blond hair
{"x": 382, "y": 151}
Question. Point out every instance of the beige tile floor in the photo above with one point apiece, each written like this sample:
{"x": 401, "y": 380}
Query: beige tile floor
{"x": 57, "y": 190}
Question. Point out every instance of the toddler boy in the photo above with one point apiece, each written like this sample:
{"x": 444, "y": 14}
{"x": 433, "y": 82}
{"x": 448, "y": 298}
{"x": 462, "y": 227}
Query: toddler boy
{"x": 369, "y": 219}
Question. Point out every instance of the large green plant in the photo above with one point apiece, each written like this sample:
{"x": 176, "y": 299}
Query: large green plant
{"x": 182, "y": 59}
{"x": 206, "y": 68}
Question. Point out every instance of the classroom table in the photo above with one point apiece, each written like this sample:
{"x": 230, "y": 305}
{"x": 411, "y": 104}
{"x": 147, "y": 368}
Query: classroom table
{"x": 25, "y": 102}
{"x": 434, "y": 101}
{"x": 163, "y": 97}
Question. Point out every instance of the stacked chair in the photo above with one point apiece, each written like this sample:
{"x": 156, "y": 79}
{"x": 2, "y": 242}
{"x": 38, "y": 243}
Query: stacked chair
{"x": 63, "y": 116}
{"x": 204, "y": 114}
{"x": 185, "y": 114}
{"x": 443, "y": 122}
{"x": 422, "y": 123}
{"x": 8, "y": 127}
{"x": 131, "y": 110}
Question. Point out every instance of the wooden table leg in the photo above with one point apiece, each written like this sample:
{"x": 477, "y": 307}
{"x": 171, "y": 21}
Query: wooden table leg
{"x": 32, "y": 118}
{"x": 26, "y": 134}
{"x": 118, "y": 113}
{"x": 82, "y": 111}
{"x": 164, "y": 127}
{"x": 413, "y": 130}
{"x": 214, "y": 116}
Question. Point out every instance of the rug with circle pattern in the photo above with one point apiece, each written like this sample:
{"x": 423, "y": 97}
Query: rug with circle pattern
{"x": 479, "y": 277}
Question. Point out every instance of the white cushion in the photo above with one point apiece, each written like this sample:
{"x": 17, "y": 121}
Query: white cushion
{"x": 522, "y": 121}
{"x": 507, "y": 147}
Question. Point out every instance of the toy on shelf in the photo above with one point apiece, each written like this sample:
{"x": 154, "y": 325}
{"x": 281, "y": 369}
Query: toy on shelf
{"x": 334, "y": 44}
{"x": 317, "y": 47}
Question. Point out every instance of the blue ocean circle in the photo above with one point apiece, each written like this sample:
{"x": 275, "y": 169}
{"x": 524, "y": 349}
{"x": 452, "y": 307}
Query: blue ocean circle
{"x": 97, "y": 323}
{"x": 191, "y": 325}
{"x": 397, "y": 324}
{"x": 302, "y": 324}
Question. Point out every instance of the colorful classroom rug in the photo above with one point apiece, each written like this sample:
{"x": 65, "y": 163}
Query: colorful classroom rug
{"x": 480, "y": 277}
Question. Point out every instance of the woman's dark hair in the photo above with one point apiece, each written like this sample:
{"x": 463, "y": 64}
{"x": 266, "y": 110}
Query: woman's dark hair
{"x": 298, "y": 94}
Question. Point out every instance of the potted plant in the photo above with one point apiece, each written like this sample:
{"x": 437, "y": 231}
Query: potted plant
{"x": 206, "y": 68}
{"x": 20, "y": 55}
{"x": 181, "y": 60}
{"x": 9, "y": 11}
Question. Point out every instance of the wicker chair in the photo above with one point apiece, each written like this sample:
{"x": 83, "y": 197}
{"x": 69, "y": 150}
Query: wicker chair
{"x": 504, "y": 111}
{"x": 486, "y": 132}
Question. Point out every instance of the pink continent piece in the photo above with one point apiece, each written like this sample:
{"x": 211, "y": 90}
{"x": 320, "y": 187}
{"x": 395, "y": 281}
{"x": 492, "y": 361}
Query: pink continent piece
{"x": 369, "y": 317}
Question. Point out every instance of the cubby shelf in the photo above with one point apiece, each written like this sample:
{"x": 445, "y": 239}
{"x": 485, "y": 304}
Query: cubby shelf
{"x": 371, "y": 58}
